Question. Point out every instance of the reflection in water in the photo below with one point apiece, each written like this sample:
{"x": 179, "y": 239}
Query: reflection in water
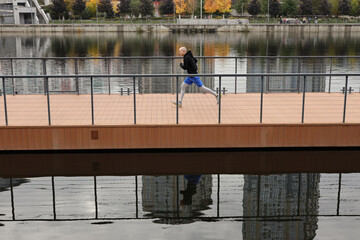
{"x": 166, "y": 44}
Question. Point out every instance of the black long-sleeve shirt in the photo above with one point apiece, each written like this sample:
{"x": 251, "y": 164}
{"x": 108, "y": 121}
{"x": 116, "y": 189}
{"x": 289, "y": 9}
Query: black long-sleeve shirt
{"x": 189, "y": 63}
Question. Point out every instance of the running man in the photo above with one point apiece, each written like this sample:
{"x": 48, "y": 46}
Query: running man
{"x": 190, "y": 65}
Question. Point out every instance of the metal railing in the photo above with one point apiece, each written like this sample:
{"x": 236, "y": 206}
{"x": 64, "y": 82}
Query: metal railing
{"x": 305, "y": 189}
{"x": 202, "y": 65}
{"x": 177, "y": 76}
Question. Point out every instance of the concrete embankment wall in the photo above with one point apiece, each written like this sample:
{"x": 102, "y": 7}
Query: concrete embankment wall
{"x": 179, "y": 27}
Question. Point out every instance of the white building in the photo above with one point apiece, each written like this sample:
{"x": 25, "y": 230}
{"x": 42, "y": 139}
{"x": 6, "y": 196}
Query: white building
{"x": 22, "y": 12}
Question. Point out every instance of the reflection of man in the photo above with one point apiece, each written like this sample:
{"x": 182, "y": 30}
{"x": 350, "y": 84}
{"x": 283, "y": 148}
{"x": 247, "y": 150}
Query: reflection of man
{"x": 190, "y": 65}
{"x": 190, "y": 190}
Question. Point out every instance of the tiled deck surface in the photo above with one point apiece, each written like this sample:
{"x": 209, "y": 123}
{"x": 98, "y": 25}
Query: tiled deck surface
{"x": 31, "y": 110}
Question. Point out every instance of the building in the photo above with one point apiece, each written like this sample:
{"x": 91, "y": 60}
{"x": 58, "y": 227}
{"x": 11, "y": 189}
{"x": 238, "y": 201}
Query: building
{"x": 22, "y": 12}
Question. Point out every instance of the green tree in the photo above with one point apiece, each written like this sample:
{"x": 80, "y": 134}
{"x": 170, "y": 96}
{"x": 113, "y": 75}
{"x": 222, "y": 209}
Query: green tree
{"x": 167, "y": 7}
{"x": 344, "y": 8}
{"x": 240, "y": 6}
{"x": 324, "y": 7}
{"x": 354, "y": 7}
{"x": 58, "y": 8}
{"x": 146, "y": 8}
{"x": 289, "y": 7}
{"x": 124, "y": 7}
{"x": 135, "y": 7}
{"x": 254, "y": 7}
{"x": 79, "y": 7}
{"x": 305, "y": 7}
{"x": 334, "y": 7}
{"x": 105, "y": 6}
{"x": 274, "y": 8}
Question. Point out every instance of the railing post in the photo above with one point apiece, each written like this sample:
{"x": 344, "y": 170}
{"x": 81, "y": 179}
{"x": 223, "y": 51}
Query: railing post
{"x": 136, "y": 197}
{"x": 331, "y": 62}
{"x": 267, "y": 71}
{"x": 134, "y": 101}
{"x": 345, "y": 97}
{"x": 96, "y": 201}
{"x": 261, "y": 98}
{"x": 44, "y": 72}
{"x": 177, "y": 196}
{"x": 92, "y": 101}
{"x": 109, "y": 71}
{"x": 5, "y": 105}
{"x": 53, "y": 194}
{"x": 298, "y": 78}
{"x": 12, "y": 73}
{"x": 172, "y": 72}
{"x": 48, "y": 99}
{"x": 177, "y": 100}
{"x": 339, "y": 194}
{"x": 12, "y": 199}
{"x": 76, "y": 78}
{"x": 218, "y": 196}
{"x": 303, "y": 103}
{"x": 235, "y": 76}
{"x": 219, "y": 95}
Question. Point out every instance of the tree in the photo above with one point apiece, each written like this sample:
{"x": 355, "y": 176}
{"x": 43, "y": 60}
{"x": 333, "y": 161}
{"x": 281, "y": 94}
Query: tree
{"x": 289, "y": 7}
{"x": 254, "y": 7}
{"x": 166, "y": 7}
{"x": 105, "y": 6}
{"x": 146, "y": 8}
{"x": 355, "y": 7}
{"x": 211, "y": 6}
{"x": 274, "y": 8}
{"x": 58, "y": 8}
{"x": 191, "y": 6}
{"x": 224, "y": 6}
{"x": 79, "y": 7}
{"x": 240, "y": 6}
{"x": 324, "y": 7}
{"x": 180, "y": 6}
{"x": 124, "y": 7}
{"x": 305, "y": 7}
{"x": 344, "y": 8}
{"x": 135, "y": 7}
{"x": 334, "y": 7}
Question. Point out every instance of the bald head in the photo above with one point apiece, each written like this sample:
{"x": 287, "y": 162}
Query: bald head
{"x": 182, "y": 51}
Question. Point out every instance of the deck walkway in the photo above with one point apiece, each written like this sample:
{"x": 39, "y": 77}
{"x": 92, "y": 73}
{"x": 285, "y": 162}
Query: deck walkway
{"x": 284, "y": 108}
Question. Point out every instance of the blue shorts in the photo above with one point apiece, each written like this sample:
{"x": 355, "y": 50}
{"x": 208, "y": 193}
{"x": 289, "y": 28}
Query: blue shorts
{"x": 196, "y": 80}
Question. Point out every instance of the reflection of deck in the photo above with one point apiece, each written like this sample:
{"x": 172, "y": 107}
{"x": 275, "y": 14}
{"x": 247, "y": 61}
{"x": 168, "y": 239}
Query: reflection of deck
{"x": 31, "y": 110}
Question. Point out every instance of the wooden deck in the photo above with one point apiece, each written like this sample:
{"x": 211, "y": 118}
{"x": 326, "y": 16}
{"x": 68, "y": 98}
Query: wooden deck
{"x": 284, "y": 108}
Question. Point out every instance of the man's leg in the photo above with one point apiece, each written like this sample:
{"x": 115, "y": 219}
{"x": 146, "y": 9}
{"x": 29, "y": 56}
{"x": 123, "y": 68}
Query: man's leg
{"x": 183, "y": 86}
{"x": 208, "y": 90}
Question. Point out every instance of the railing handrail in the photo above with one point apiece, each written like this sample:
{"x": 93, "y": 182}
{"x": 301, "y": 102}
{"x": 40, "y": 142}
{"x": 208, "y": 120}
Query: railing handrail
{"x": 184, "y": 75}
{"x": 166, "y": 57}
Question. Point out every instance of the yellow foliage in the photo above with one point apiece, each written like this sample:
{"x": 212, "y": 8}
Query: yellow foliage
{"x": 223, "y": 6}
{"x": 181, "y": 6}
{"x": 191, "y": 6}
{"x": 211, "y": 6}
{"x": 114, "y": 4}
{"x": 91, "y": 5}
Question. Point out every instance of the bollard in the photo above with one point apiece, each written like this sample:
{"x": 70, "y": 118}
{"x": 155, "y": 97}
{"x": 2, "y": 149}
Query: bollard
{"x": 121, "y": 91}
{"x": 350, "y": 90}
{"x": 224, "y": 90}
{"x": 128, "y": 91}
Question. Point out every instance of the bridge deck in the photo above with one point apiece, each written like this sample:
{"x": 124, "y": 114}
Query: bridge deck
{"x": 31, "y": 110}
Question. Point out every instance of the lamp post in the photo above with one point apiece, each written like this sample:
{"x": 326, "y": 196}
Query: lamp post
{"x": 97, "y": 16}
{"x": 200, "y": 9}
{"x": 268, "y": 10}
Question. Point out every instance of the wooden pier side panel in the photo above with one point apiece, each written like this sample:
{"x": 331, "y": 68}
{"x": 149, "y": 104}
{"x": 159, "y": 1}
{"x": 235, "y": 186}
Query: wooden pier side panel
{"x": 179, "y": 136}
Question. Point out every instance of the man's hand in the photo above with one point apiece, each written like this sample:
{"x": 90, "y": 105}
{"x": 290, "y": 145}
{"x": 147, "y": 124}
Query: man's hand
{"x": 181, "y": 65}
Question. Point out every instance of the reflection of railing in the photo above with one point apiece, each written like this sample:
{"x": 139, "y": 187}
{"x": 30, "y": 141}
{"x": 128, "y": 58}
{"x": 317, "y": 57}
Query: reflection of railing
{"x": 255, "y": 200}
{"x": 266, "y": 61}
{"x": 177, "y": 76}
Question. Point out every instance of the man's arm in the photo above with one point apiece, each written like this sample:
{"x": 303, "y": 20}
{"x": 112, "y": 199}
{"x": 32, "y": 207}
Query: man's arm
{"x": 186, "y": 64}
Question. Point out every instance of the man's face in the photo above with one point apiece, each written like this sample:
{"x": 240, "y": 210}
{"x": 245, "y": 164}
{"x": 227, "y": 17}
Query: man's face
{"x": 182, "y": 52}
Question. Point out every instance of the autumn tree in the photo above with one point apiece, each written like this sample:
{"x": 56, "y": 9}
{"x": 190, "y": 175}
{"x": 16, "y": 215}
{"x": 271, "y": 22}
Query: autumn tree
{"x": 254, "y": 7}
{"x": 105, "y": 6}
{"x": 180, "y": 6}
{"x": 211, "y": 6}
{"x": 224, "y": 6}
{"x": 166, "y": 7}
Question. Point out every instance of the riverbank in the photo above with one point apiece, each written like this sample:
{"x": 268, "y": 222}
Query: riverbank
{"x": 166, "y": 27}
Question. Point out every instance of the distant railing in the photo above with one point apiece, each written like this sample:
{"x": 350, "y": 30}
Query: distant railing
{"x": 177, "y": 76}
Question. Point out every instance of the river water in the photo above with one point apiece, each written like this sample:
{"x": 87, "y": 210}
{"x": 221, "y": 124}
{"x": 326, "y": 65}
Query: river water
{"x": 241, "y": 45}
